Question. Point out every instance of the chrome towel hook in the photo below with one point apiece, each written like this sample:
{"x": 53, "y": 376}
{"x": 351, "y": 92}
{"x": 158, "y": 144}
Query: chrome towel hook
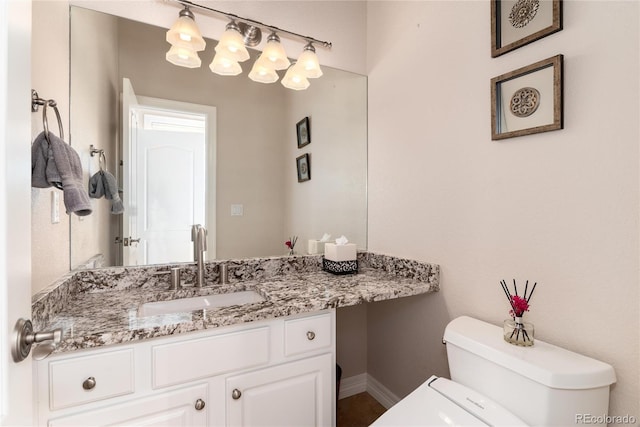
{"x": 102, "y": 159}
{"x": 36, "y": 102}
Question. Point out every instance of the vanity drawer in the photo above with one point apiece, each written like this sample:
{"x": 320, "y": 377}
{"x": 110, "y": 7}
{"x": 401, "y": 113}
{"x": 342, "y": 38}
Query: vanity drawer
{"x": 70, "y": 383}
{"x": 201, "y": 358}
{"x": 307, "y": 334}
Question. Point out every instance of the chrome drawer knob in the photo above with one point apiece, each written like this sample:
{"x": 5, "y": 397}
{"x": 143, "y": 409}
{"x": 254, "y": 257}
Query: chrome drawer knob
{"x": 236, "y": 394}
{"x": 200, "y": 404}
{"x": 311, "y": 335}
{"x": 89, "y": 383}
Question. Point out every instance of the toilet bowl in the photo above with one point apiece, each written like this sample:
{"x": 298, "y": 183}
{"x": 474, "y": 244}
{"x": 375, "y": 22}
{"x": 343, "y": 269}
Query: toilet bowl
{"x": 497, "y": 383}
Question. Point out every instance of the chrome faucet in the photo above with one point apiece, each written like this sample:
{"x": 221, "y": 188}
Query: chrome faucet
{"x": 199, "y": 239}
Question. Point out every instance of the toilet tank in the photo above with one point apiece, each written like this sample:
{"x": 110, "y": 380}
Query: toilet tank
{"x": 544, "y": 385}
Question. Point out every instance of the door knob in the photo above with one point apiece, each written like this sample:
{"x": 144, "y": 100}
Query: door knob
{"x": 236, "y": 394}
{"x": 24, "y": 337}
{"x": 129, "y": 241}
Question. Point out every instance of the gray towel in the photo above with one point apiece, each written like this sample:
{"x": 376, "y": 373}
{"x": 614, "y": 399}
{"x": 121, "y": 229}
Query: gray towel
{"x": 102, "y": 183}
{"x": 44, "y": 172}
{"x": 55, "y": 163}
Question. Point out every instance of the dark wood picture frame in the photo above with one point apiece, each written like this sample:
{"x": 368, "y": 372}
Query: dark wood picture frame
{"x": 304, "y": 132}
{"x": 303, "y": 165}
{"x": 505, "y": 39}
{"x": 534, "y": 98}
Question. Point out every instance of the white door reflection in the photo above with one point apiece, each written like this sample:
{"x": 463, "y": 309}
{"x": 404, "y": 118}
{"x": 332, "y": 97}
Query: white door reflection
{"x": 168, "y": 150}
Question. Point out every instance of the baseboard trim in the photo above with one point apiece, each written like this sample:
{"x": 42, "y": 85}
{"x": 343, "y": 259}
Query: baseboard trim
{"x": 365, "y": 382}
{"x": 381, "y": 393}
{"x": 353, "y": 385}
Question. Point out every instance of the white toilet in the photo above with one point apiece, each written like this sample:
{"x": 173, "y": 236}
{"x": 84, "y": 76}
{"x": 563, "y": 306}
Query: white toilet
{"x": 496, "y": 383}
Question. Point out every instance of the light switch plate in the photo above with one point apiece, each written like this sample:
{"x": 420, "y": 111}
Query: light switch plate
{"x": 237, "y": 210}
{"x": 55, "y": 207}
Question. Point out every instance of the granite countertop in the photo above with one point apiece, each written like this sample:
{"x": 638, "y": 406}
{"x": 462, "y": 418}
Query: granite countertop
{"x": 94, "y": 313}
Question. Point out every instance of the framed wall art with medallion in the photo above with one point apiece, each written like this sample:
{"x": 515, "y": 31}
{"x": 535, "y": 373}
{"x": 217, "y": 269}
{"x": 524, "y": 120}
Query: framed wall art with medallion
{"x": 515, "y": 23}
{"x": 527, "y": 100}
{"x": 304, "y": 167}
{"x": 304, "y": 132}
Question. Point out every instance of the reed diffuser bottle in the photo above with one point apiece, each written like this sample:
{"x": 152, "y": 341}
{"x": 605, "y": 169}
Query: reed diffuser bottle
{"x": 515, "y": 330}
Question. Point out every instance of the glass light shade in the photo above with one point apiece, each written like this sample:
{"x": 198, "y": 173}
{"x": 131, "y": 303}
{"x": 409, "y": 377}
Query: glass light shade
{"x": 295, "y": 78}
{"x": 225, "y": 66}
{"x": 262, "y": 72}
{"x": 232, "y": 46}
{"x": 185, "y": 33}
{"x": 308, "y": 60}
{"x": 183, "y": 57}
{"x": 275, "y": 55}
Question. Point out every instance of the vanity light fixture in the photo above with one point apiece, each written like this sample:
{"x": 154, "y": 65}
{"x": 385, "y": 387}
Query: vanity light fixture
{"x": 295, "y": 78}
{"x": 263, "y": 72}
{"x": 231, "y": 43}
{"x": 183, "y": 57}
{"x": 274, "y": 53}
{"x": 308, "y": 60}
{"x": 224, "y": 66}
{"x": 273, "y": 58}
{"x": 186, "y": 41}
{"x": 185, "y": 32}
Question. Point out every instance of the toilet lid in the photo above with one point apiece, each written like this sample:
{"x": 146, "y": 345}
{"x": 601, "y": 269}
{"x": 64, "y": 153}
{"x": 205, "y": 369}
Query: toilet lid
{"x": 441, "y": 402}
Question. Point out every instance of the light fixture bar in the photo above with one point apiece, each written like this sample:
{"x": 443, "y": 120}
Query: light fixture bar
{"x": 256, "y": 23}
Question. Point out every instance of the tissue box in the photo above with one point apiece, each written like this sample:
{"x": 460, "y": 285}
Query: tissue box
{"x": 334, "y": 252}
{"x": 340, "y": 267}
{"x": 315, "y": 247}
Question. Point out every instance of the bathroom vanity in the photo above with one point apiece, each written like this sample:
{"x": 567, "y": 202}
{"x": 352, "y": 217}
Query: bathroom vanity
{"x": 269, "y": 360}
{"x": 276, "y": 372}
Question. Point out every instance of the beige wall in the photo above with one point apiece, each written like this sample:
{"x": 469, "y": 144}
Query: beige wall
{"x": 560, "y": 208}
{"x": 334, "y": 200}
{"x": 50, "y": 77}
{"x": 94, "y": 121}
{"x": 351, "y": 339}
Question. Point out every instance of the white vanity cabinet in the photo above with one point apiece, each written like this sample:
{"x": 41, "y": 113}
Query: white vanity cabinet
{"x": 292, "y": 394}
{"x": 273, "y": 372}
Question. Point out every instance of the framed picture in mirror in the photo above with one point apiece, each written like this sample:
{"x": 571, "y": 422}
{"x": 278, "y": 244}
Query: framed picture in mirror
{"x": 527, "y": 100}
{"x": 304, "y": 168}
{"x": 304, "y": 132}
{"x": 515, "y": 23}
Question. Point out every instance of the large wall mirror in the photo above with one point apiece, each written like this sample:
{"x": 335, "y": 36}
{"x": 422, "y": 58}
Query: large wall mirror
{"x": 188, "y": 146}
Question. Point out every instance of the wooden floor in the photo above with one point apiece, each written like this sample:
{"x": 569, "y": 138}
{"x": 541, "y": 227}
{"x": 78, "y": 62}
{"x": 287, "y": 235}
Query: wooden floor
{"x": 358, "y": 410}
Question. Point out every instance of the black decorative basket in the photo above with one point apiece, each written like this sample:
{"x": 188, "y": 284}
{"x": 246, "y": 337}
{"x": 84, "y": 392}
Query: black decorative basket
{"x": 340, "y": 267}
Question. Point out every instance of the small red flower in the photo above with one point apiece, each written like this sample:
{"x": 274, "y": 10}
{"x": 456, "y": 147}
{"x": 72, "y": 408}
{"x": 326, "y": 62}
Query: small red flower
{"x": 520, "y": 305}
{"x": 288, "y": 243}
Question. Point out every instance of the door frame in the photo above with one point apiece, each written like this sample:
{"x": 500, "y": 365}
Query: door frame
{"x": 211, "y": 157}
{"x": 16, "y": 397}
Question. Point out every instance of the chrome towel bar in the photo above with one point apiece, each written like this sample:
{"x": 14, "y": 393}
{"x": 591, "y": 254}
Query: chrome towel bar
{"x": 36, "y": 102}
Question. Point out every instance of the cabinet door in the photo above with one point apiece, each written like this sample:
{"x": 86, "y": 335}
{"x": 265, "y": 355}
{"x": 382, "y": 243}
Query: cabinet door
{"x": 168, "y": 409}
{"x": 293, "y": 394}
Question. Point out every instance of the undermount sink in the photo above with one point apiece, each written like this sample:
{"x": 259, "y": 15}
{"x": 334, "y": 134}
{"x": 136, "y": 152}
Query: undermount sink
{"x": 199, "y": 303}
